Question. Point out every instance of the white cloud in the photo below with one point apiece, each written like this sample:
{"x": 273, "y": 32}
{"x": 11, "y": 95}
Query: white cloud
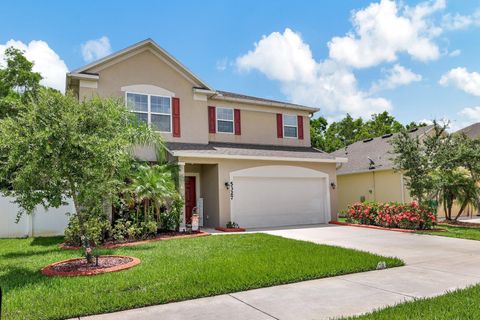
{"x": 382, "y": 30}
{"x": 471, "y": 113}
{"x": 459, "y": 22}
{"x": 222, "y": 64}
{"x": 462, "y": 79}
{"x": 96, "y": 49}
{"x": 283, "y": 57}
{"x": 395, "y": 77}
{"x": 46, "y": 61}
{"x": 286, "y": 58}
{"x": 455, "y": 53}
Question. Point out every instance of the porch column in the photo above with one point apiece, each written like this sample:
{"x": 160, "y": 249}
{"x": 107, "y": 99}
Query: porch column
{"x": 181, "y": 189}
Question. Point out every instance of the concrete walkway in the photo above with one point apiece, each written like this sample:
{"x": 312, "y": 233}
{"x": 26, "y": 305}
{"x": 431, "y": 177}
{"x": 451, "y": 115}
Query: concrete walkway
{"x": 434, "y": 265}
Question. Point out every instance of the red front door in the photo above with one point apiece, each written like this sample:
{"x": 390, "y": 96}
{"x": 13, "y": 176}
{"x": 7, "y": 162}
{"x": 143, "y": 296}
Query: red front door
{"x": 190, "y": 198}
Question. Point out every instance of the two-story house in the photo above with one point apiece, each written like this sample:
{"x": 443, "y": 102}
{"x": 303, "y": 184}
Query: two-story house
{"x": 242, "y": 158}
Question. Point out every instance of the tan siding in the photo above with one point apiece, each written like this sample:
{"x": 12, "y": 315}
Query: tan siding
{"x": 259, "y": 125}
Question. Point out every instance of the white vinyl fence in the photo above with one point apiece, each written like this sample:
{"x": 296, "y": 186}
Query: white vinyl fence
{"x": 42, "y": 222}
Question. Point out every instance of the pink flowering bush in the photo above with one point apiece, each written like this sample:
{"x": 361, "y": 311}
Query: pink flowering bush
{"x": 392, "y": 215}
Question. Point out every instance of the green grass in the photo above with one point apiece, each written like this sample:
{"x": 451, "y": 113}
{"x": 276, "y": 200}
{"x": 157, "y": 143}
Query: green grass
{"x": 460, "y": 304}
{"x": 457, "y": 232}
{"x": 170, "y": 271}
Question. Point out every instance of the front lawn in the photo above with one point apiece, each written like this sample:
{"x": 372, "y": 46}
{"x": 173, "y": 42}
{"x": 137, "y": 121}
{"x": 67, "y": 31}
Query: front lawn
{"x": 460, "y": 304}
{"x": 456, "y": 232}
{"x": 170, "y": 271}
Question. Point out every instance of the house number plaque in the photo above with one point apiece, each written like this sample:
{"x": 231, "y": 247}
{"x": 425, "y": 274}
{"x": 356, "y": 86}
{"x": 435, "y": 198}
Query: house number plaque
{"x": 231, "y": 190}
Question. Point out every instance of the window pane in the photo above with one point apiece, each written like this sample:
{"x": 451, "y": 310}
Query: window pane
{"x": 225, "y": 126}
{"x": 225, "y": 114}
{"x": 137, "y": 102}
{"x": 290, "y": 120}
{"x": 160, "y": 122}
{"x": 290, "y": 132}
{"x": 160, "y": 104}
{"x": 143, "y": 117}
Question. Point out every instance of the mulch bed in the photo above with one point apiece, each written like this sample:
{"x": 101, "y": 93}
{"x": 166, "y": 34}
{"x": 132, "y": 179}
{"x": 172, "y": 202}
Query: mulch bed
{"x": 382, "y": 228}
{"x": 161, "y": 237}
{"x": 230, "y": 229}
{"x": 80, "y": 267}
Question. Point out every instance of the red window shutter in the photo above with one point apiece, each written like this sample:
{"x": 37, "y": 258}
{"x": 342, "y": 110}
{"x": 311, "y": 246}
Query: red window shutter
{"x": 279, "y": 125}
{"x": 236, "y": 119}
{"x": 176, "y": 117}
{"x": 211, "y": 120}
{"x": 300, "y": 127}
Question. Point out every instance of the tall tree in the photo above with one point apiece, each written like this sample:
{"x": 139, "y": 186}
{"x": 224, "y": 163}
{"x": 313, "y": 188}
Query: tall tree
{"x": 17, "y": 82}
{"x": 58, "y": 148}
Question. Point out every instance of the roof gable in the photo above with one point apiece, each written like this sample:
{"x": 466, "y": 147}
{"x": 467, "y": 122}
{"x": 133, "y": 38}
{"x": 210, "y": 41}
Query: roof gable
{"x": 147, "y": 44}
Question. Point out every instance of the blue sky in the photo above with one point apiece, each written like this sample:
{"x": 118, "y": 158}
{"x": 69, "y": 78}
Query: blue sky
{"x": 417, "y": 59}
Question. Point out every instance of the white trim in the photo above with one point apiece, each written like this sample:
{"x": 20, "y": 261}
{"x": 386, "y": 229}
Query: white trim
{"x": 241, "y": 157}
{"x": 289, "y": 125}
{"x": 148, "y": 89}
{"x": 85, "y": 76}
{"x": 362, "y": 171}
{"x": 149, "y": 109}
{"x": 216, "y": 120}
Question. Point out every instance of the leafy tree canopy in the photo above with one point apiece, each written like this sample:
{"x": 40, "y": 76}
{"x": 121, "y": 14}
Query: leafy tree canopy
{"x": 338, "y": 134}
{"x": 58, "y": 148}
{"x": 17, "y": 82}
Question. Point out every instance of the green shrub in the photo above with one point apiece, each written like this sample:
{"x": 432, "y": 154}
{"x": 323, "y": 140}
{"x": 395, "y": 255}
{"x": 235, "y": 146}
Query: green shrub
{"x": 97, "y": 230}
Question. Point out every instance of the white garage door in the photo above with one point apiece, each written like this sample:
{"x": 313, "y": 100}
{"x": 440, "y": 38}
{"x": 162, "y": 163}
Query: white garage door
{"x": 273, "y": 196}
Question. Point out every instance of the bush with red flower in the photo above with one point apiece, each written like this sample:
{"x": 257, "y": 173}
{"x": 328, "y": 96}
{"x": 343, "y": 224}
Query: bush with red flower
{"x": 392, "y": 215}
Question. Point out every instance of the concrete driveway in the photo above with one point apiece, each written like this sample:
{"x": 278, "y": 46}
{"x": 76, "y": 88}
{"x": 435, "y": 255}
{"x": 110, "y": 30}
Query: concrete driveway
{"x": 434, "y": 265}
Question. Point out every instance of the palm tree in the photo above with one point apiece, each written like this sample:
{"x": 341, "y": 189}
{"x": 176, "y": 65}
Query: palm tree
{"x": 454, "y": 185}
{"x": 153, "y": 186}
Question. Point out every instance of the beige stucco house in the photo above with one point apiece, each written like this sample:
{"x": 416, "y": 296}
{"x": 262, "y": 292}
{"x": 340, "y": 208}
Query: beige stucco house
{"x": 369, "y": 174}
{"x": 243, "y": 159}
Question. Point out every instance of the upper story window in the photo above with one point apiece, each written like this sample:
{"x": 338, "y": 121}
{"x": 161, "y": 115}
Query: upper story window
{"x": 224, "y": 120}
{"x": 152, "y": 109}
{"x": 290, "y": 126}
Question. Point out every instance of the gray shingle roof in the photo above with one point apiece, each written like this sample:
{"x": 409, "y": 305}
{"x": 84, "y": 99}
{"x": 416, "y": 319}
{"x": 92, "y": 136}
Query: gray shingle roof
{"x": 472, "y": 131}
{"x": 249, "y": 150}
{"x": 246, "y": 97}
{"x": 378, "y": 149}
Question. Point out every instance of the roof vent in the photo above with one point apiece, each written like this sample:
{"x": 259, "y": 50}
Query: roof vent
{"x": 413, "y": 130}
{"x": 367, "y": 140}
{"x": 388, "y": 135}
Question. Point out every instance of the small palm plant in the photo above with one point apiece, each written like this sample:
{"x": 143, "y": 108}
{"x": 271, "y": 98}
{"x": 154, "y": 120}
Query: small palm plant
{"x": 153, "y": 187}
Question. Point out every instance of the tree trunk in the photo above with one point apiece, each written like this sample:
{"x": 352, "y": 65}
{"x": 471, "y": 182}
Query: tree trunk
{"x": 462, "y": 208}
{"x": 81, "y": 223}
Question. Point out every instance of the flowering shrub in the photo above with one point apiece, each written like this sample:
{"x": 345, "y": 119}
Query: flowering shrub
{"x": 392, "y": 215}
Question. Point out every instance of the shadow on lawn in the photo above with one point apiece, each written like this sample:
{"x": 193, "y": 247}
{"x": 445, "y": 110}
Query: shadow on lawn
{"x": 46, "y": 241}
{"x": 18, "y": 277}
{"x": 30, "y": 253}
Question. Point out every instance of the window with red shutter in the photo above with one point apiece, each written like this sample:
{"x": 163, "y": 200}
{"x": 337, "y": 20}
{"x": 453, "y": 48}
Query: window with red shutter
{"x": 211, "y": 119}
{"x": 279, "y": 125}
{"x": 238, "y": 124}
{"x": 176, "y": 117}
{"x": 300, "y": 127}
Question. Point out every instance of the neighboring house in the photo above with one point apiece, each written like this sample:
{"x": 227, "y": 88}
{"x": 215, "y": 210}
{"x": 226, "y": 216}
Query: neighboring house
{"x": 241, "y": 158}
{"x": 369, "y": 174}
{"x": 472, "y": 131}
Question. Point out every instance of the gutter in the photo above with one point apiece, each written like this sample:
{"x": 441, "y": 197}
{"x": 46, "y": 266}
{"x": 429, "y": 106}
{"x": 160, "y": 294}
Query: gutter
{"x": 187, "y": 154}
